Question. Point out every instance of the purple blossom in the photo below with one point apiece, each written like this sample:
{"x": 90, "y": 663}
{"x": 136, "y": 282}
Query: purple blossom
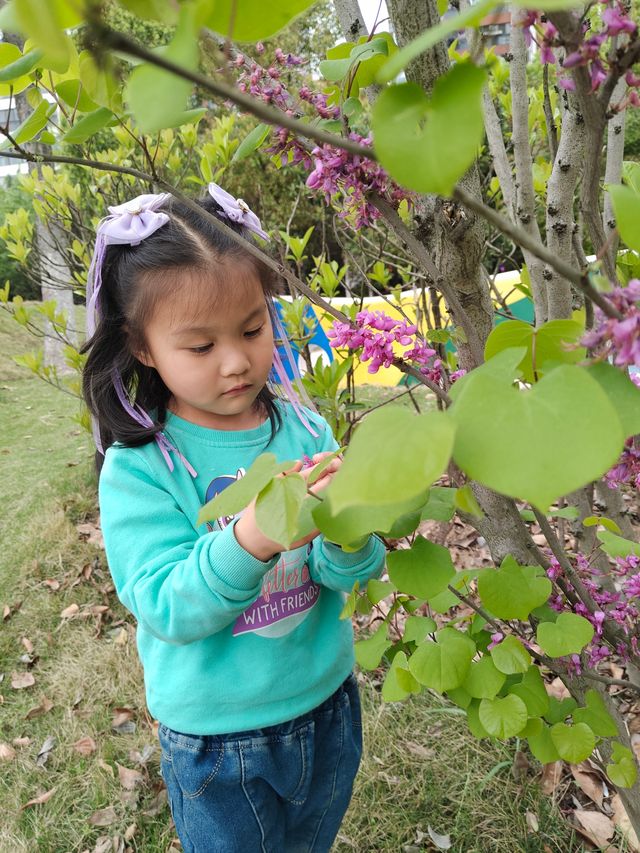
{"x": 619, "y": 338}
{"x": 617, "y": 22}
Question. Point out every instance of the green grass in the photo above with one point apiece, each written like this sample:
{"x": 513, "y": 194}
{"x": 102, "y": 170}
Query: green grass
{"x": 421, "y": 765}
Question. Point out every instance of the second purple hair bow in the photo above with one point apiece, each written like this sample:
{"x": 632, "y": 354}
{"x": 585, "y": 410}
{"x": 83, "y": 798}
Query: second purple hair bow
{"x": 237, "y": 210}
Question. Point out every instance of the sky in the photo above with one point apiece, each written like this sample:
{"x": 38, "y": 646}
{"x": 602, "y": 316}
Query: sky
{"x": 369, "y": 9}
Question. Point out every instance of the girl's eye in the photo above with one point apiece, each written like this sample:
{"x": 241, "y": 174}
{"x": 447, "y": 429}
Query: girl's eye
{"x": 201, "y": 350}
{"x": 254, "y": 332}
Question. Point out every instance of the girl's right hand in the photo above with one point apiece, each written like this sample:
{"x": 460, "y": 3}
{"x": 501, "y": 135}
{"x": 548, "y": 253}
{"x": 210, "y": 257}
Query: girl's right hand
{"x": 252, "y": 539}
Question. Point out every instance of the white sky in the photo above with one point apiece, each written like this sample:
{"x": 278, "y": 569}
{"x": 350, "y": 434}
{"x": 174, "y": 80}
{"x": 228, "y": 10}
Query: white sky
{"x": 369, "y": 9}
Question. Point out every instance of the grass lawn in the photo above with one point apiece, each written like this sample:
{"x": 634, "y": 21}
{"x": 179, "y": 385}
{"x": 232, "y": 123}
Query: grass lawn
{"x": 66, "y": 638}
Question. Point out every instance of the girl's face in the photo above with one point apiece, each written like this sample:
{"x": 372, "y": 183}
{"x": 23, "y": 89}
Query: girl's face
{"x": 216, "y": 359}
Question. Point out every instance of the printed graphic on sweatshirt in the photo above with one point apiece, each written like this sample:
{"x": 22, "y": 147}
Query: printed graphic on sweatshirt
{"x": 288, "y": 592}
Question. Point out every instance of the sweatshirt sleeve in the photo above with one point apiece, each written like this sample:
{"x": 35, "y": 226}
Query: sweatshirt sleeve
{"x": 180, "y": 586}
{"x": 334, "y": 568}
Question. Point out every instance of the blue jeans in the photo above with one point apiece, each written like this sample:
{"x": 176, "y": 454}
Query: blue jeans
{"x": 281, "y": 789}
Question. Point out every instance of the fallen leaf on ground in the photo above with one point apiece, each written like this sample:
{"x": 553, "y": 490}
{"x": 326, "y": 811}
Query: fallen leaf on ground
{"x": 43, "y": 708}
{"x": 103, "y": 845}
{"x": 442, "y": 842}
{"x": 7, "y": 753}
{"x": 557, "y": 689}
{"x": 45, "y": 751}
{"x": 26, "y": 642}
{"x": 104, "y": 817}
{"x": 39, "y": 800}
{"x": 52, "y": 584}
{"x": 70, "y": 611}
{"x": 85, "y": 746}
{"x": 419, "y": 750}
{"x": 551, "y": 775}
{"x": 157, "y": 804}
{"x": 20, "y": 680}
{"x": 588, "y": 781}
{"x": 10, "y": 610}
{"x": 142, "y": 757}
{"x": 21, "y": 741}
{"x": 532, "y": 821}
{"x": 123, "y": 721}
{"x": 130, "y": 831}
{"x": 129, "y": 778}
{"x": 595, "y": 826}
{"x": 107, "y": 767}
{"x": 622, "y": 822}
{"x": 91, "y": 533}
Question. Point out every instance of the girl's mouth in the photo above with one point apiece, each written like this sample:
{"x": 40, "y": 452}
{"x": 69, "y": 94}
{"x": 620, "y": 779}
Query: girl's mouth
{"x": 239, "y": 389}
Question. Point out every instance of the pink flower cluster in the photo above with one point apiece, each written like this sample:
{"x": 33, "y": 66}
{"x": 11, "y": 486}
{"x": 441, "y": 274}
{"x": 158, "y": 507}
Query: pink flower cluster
{"x": 593, "y": 53}
{"x": 627, "y": 470}
{"x": 264, "y": 83}
{"x": 354, "y": 178}
{"x": 622, "y": 606}
{"x": 619, "y": 338}
{"x": 375, "y": 333}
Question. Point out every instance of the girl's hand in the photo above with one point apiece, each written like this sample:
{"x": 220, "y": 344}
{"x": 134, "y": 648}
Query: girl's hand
{"x": 253, "y": 540}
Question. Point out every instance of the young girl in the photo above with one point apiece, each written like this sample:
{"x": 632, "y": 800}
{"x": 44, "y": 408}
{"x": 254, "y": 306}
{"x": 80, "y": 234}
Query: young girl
{"x": 247, "y": 665}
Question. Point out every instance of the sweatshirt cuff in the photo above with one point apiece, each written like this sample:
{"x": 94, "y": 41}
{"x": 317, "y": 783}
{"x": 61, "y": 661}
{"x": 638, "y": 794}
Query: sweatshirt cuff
{"x": 234, "y": 571}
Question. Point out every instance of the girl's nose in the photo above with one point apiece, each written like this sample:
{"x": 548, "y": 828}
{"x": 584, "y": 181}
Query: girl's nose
{"x": 234, "y": 362}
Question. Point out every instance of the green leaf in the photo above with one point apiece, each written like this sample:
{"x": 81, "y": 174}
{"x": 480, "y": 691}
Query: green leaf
{"x": 446, "y": 599}
{"x": 465, "y": 501}
{"x": 532, "y": 692}
{"x": 321, "y": 467}
{"x": 152, "y": 113}
{"x": 447, "y": 129}
{"x": 398, "y": 682}
{"x": 623, "y": 393}
{"x": 568, "y": 635}
{"x": 402, "y": 470}
{"x": 596, "y": 716}
{"x": 416, "y": 628}
{"x": 377, "y": 590}
{"x": 33, "y": 123}
{"x": 543, "y": 747}
{"x": 239, "y": 494}
{"x": 251, "y": 20}
{"x": 471, "y": 16}
{"x": 87, "y": 126}
{"x": 616, "y": 546}
{"x": 441, "y": 504}
{"x": 424, "y": 570}
{"x": 513, "y": 591}
{"x": 251, "y": 142}
{"x": 537, "y": 444}
{"x": 503, "y": 718}
{"x": 350, "y": 603}
{"x": 334, "y": 70}
{"x": 473, "y": 720}
{"x": 369, "y": 652}
{"x": 510, "y": 656}
{"x": 483, "y": 680}
{"x": 15, "y": 68}
{"x": 533, "y": 728}
{"x": 278, "y": 507}
{"x": 597, "y": 520}
{"x": 560, "y": 709}
{"x": 626, "y": 206}
{"x": 75, "y": 96}
{"x": 552, "y": 343}
{"x": 574, "y": 743}
{"x": 44, "y": 21}
{"x": 443, "y": 665}
{"x": 154, "y": 10}
{"x": 622, "y": 770}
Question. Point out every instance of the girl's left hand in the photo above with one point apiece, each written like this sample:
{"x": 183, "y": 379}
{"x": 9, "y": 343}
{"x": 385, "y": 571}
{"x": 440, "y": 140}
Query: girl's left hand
{"x": 328, "y": 473}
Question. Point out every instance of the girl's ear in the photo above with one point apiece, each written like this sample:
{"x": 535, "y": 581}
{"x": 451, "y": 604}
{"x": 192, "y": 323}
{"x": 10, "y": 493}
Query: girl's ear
{"x": 145, "y": 358}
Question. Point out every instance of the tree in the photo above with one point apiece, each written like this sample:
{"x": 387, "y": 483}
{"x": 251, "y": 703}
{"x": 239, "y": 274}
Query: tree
{"x": 560, "y": 390}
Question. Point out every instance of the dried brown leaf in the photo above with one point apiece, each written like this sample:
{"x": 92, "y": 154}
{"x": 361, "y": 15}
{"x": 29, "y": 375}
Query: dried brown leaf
{"x": 622, "y": 822}
{"x": 129, "y": 778}
{"x": 39, "y": 800}
{"x": 557, "y": 689}
{"x": 70, "y": 611}
{"x": 551, "y": 776}
{"x": 157, "y": 804}
{"x": 26, "y": 642}
{"x": 52, "y": 584}
{"x": 104, "y": 817}
{"x": 142, "y": 757}
{"x": 43, "y": 708}
{"x": 107, "y": 767}
{"x": 45, "y": 750}
{"x": 532, "y": 821}
{"x": 130, "y": 831}
{"x": 20, "y": 680}
{"x": 419, "y": 750}
{"x": 85, "y": 746}
{"x": 589, "y": 781}
{"x": 21, "y": 741}
{"x": 91, "y": 533}
{"x": 595, "y": 826}
{"x": 7, "y": 753}
{"x": 103, "y": 845}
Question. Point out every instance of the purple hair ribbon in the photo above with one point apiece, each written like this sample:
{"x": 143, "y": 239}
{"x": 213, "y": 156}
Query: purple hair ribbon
{"x": 236, "y": 210}
{"x": 140, "y": 416}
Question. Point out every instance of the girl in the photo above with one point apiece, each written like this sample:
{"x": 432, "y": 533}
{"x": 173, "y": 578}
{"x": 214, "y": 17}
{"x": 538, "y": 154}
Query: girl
{"x": 247, "y": 665}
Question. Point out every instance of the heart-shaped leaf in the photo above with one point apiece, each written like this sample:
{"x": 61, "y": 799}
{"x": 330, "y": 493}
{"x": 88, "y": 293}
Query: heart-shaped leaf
{"x": 623, "y": 770}
{"x": 399, "y": 682}
{"x": 278, "y": 508}
{"x": 503, "y": 718}
{"x": 252, "y": 20}
{"x": 574, "y": 743}
{"x": 596, "y": 716}
{"x": 513, "y": 591}
{"x": 510, "y": 656}
{"x": 542, "y": 746}
{"x": 484, "y": 680}
{"x": 443, "y": 665}
{"x": 568, "y": 635}
{"x": 552, "y": 343}
{"x": 532, "y": 692}
{"x": 424, "y": 570}
{"x": 536, "y": 444}
{"x": 369, "y": 652}
{"x": 428, "y": 144}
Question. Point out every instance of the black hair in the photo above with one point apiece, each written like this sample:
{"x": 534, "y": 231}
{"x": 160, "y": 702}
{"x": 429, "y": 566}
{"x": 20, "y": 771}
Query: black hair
{"x": 187, "y": 242}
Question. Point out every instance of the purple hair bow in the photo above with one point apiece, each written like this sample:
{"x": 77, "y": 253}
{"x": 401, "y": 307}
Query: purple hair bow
{"x": 236, "y": 210}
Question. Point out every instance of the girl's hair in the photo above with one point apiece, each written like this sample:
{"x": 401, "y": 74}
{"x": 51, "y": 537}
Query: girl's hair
{"x": 134, "y": 280}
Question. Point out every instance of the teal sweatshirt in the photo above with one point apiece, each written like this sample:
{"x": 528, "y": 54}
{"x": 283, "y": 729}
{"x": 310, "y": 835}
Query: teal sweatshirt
{"x": 227, "y": 642}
